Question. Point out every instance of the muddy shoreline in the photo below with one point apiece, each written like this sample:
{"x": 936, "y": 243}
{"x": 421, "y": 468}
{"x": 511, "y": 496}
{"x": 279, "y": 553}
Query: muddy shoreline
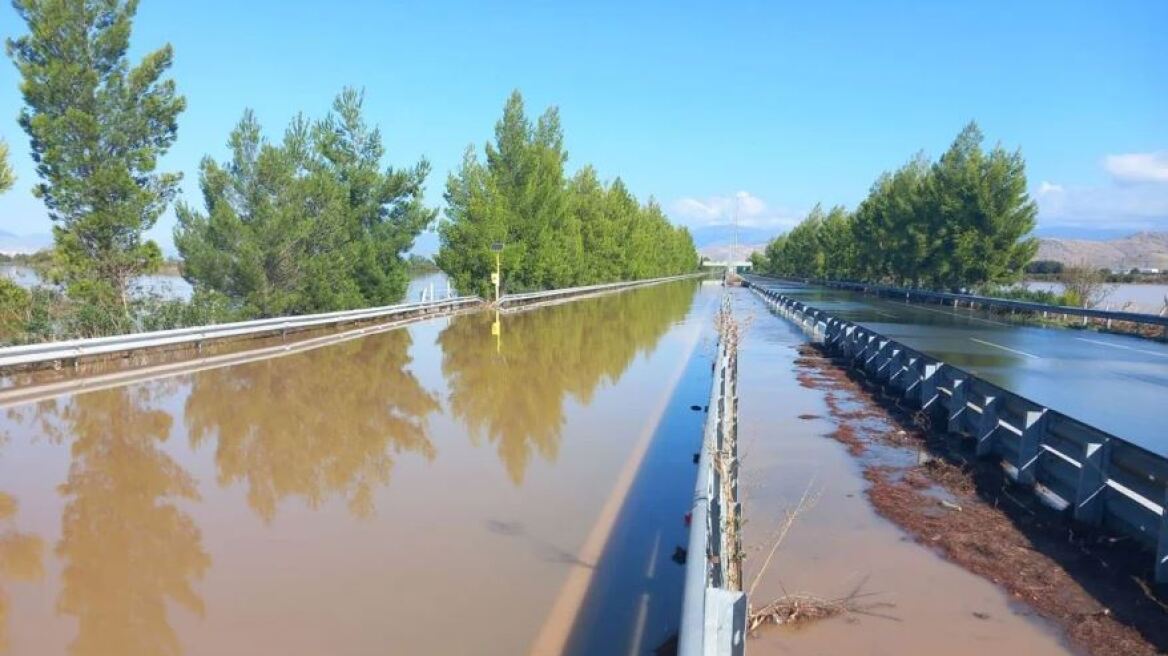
{"x": 1094, "y": 587}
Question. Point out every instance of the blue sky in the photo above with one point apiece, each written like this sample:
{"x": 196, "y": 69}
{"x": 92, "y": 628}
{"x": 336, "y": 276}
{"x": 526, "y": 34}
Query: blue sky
{"x": 780, "y": 104}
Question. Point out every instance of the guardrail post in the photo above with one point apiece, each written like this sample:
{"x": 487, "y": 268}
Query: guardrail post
{"x": 988, "y": 427}
{"x": 957, "y": 406}
{"x": 1028, "y": 445}
{"x": 725, "y": 613}
{"x": 928, "y": 391}
{"x": 874, "y": 362}
{"x": 1092, "y": 483}
{"x": 889, "y": 371}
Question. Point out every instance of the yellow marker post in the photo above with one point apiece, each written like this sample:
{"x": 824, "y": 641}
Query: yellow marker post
{"x": 497, "y": 247}
{"x": 497, "y": 331}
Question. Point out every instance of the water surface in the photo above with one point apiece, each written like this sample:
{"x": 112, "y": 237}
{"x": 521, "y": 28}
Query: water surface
{"x": 421, "y": 490}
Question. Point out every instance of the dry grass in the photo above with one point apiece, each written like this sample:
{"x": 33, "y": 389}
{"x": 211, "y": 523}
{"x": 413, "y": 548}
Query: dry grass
{"x": 795, "y": 609}
{"x": 800, "y": 608}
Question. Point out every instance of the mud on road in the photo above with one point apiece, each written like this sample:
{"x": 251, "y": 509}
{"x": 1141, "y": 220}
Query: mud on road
{"x": 1095, "y": 587}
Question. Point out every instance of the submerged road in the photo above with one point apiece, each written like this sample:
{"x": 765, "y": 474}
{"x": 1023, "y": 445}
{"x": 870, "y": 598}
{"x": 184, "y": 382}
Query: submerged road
{"x": 1117, "y": 383}
{"x": 447, "y": 487}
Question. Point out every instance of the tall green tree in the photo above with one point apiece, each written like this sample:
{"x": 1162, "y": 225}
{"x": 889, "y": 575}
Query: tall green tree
{"x": 602, "y": 247}
{"x": 516, "y": 197}
{"x": 554, "y": 231}
{"x": 982, "y": 213}
{"x": 962, "y": 221}
{"x": 313, "y": 223}
{"x": 97, "y": 126}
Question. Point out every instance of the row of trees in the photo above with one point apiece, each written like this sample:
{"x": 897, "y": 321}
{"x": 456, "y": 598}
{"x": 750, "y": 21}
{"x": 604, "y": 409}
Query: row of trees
{"x": 554, "y": 231}
{"x": 959, "y": 222}
{"x": 313, "y": 222}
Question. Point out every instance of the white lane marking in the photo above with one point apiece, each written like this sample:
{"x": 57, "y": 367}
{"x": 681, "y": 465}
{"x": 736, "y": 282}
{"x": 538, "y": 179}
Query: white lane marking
{"x": 1004, "y": 348}
{"x": 1121, "y": 346}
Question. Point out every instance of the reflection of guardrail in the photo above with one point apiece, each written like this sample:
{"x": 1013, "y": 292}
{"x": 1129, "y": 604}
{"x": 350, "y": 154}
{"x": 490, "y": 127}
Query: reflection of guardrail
{"x": 924, "y": 296}
{"x": 50, "y": 353}
{"x": 1096, "y": 478}
{"x": 515, "y": 300}
{"x": 713, "y": 618}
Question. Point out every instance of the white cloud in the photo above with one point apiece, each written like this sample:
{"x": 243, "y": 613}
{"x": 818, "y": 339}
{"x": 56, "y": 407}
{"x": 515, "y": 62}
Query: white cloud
{"x": 1134, "y": 207}
{"x": 1138, "y": 167}
{"x": 1136, "y": 199}
{"x": 720, "y": 210}
{"x": 1049, "y": 188}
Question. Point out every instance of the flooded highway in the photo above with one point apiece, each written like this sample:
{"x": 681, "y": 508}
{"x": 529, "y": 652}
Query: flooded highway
{"x": 1065, "y": 369}
{"x": 438, "y": 488}
{"x": 909, "y": 599}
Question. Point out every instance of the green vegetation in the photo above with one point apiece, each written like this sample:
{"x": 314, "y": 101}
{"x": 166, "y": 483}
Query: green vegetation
{"x": 1044, "y": 267}
{"x": 555, "y": 231}
{"x": 313, "y": 222}
{"x": 961, "y": 222}
{"x": 97, "y": 126}
{"x": 7, "y": 177}
{"x": 308, "y": 225}
{"x": 417, "y": 264}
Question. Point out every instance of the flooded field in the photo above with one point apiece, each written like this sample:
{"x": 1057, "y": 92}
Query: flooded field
{"x": 432, "y": 489}
{"x": 906, "y": 599}
{"x": 1150, "y": 298}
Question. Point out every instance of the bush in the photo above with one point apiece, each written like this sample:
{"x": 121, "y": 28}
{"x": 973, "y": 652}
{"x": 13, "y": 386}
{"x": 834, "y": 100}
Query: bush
{"x": 205, "y": 307}
{"x": 1027, "y": 294}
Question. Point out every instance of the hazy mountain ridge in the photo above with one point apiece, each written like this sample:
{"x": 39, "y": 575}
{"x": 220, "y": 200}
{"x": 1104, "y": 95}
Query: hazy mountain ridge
{"x": 1142, "y": 249}
{"x": 716, "y": 241}
{"x": 13, "y": 244}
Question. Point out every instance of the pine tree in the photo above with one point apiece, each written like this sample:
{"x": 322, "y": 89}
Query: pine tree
{"x": 962, "y": 221}
{"x": 97, "y": 127}
{"x": 555, "y": 232}
{"x": 311, "y": 224}
{"x": 7, "y": 177}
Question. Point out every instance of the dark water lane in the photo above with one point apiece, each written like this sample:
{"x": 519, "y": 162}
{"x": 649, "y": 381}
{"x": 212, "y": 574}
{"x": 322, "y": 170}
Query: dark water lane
{"x": 1117, "y": 383}
{"x": 431, "y": 489}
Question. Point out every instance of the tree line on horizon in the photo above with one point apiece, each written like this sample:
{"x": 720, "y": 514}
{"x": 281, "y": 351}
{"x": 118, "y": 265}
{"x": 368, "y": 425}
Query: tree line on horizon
{"x": 312, "y": 222}
{"x": 963, "y": 221}
{"x": 552, "y": 230}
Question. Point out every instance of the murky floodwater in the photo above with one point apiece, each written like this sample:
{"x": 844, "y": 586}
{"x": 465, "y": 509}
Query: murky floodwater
{"x": 911, "y": 600}
{"x": 432, "y": 489}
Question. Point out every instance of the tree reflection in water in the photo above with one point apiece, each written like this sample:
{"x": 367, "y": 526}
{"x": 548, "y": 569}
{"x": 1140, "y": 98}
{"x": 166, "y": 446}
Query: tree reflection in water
{"x": 21, "y": 558}
{"x": 127, "y": 547}
{"x": 514, "y": 393}
{"x": 319, "y": 424}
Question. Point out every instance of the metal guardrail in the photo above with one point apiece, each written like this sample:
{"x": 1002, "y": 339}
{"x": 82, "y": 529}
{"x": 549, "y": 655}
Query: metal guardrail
{"x": 31, "y": 355}
{"x": 1096, "y": 478}
{"x": 713, "y": 618}
{"x": 551, "y": 294}
{"x": 925, "y": 296}
{"x": 48, "y": 353}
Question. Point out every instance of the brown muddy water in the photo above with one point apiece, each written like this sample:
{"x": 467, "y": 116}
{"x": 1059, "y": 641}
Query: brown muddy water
{"x": 434, "y": 489}
{"x": 911, "y": 600}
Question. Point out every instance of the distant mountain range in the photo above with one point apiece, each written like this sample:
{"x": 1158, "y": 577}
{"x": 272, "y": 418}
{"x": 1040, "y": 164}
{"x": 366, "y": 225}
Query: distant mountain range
{"x": 1143, "y": 249}
{"x": 13, "y": 244}
{"x": 716, "y": 241}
